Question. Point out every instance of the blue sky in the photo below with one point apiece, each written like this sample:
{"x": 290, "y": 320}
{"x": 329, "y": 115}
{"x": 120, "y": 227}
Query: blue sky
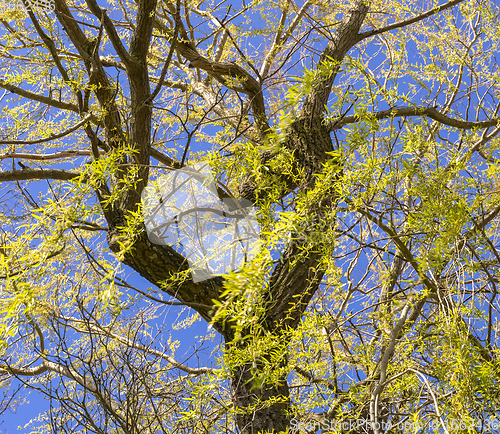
{"x": 404, "y": 85}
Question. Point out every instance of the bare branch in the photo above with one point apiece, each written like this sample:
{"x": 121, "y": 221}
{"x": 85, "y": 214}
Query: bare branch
{"x": 70, "y": 373}
{"x": 279, "y": 39}
{"x": 40, "y": 98}
{"x": 54, "y": 156}
{"x": 36, "y": 174}
{"x": 105, "y": 90}
{"x": 227, "y": 33}
{"x": 90, "y": 328}
{"x": 53, "y": 51}
{"x": 389, "y": 351}
{"x": 219, "y": 70}
{"x": 436, "y": 406}
{"x": 238, "y": 122}
{"x": 396, "y": 239}
{"x": 115, "y": 39}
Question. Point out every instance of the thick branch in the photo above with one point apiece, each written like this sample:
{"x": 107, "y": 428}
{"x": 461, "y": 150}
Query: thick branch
{"x": 40, "y": 98}
{"x": 228, "y": 34}
{"x": 104, "y": 89}
{"x": 409, "y": 21}
{"x": 73, "y": 30}
{"x": 110, "y": 62}
{"x": 416, "y": 111}
{"x": 36, "y": 174}
{"x": 24, "y": 372}
{"x": 165, "y": 159}
{"x": 139, "y": 46}
{"x": 157, "y": 263}
{"x": 45, "y": 157}
{"x": 329, "y": 62}
{"x": 293, "y": 283}
{"x": 139, "y": 136}
{"x": 115, "y": 39}
{"x": 219, "y": 71}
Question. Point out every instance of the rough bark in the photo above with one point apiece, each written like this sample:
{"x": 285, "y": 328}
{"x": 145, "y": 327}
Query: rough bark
{"x": 157, "y": 263}
{"x": 266, "y": 417}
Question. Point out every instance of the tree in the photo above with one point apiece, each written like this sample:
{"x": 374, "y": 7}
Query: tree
{"x": 364, "y": 134}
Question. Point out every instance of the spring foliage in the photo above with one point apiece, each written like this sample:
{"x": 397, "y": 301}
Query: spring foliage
{"x": 364, "y": 133}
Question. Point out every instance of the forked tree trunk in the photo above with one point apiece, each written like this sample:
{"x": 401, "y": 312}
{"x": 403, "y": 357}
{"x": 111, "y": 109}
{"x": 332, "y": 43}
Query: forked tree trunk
{"x": 259, "y": 407}
{"x": 295, "y": 279}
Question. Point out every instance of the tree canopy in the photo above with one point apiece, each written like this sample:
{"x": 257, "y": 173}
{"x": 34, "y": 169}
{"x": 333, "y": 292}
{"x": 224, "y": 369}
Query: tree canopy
{"x": 355, "y": 142}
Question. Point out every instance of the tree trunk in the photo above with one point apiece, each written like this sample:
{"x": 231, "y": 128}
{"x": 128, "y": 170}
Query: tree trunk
{"x": 260, "y": 408}
{"x": 261, "y": 405}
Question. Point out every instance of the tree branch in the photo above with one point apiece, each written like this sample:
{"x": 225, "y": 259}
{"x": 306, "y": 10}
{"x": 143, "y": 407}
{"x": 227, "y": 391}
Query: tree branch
{"x": 115, "y": 39}
{"x": 110, "y": 62}
{"x": 389, "y": 351}
{"x": 165, "y": 159}
{"x": 436, "y": 406}
{"x": 222, "y": 26}
{"x": 131, "y": 344}
{"x": 409, "y": 21}
{"x": 40, "y": 98}
{"x": 54, "y": 156}
{"x": 53, "y": 51}
{"x": 36, "y": 174}
{"x": 47, "y": 139}
{"x": 104, "y": 89}
{"x": 24, "y": 372}
{"x": 238, "y": 122}
{"x": 402, "y": 247}
{"x": 314, "y": 380}
{"x": 416, "y": 111}
{"x": 164, "y": 70}
{"x": 65, "y": 371}
{"x": 280, "y": 40}
{"x": 219, "y": 71}
{"x": 139, "y": 45}
{"x": 329, "y": 62}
